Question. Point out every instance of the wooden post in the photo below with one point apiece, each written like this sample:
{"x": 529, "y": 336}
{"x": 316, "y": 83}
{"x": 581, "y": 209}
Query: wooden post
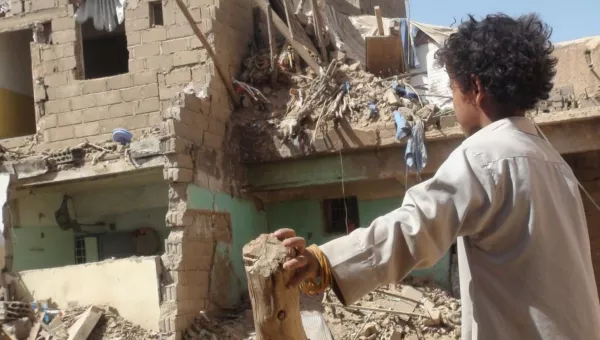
{"x": 220, "y": 70}
{"x": 318, "y": 30}
{"x": 7, "y": 182}
{"x": 276, "y": 308}
{"x": 273, "y": 56}
{"x": 379, "y": 20}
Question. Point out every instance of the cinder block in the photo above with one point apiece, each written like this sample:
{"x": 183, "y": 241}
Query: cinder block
{"x": 144, "y": 78}
{"x": 62, "y": 92}
{"x": 179, "y": 219}
{"x": 129, "y": 122}
{"x": 37, "y": 5}
{"x": 146, "y": 50}
{"x": 132, "y": 25}
{"x": 132, "y": 94}
{"x": 179, "y": 31}
{"x": 59, "y": 133}
{"x": 95, "y": 113}
{"x": 176, "y": 144}
{"x": 83, "y": 102}
{"x": 212, "y": 141}
{"x": 57, "y": 106}
{"x": 63, "y": 24}
{"x": 137, "y": 65}
{"x": 186, "y": 58}
{"x": 178, "y": 175}
{"x": 174, "y": 128}
{"x": 217, "y": 127}
{"x": 134, "y": 38}
{"x": 108, "y": 98}
{"x": 87, "y": 129}
{"x": 47, "y": 121}
{"x": 119, "y": 82}
{"x": 164, "y": 63}
{"x": 120, "y": 110}
{"x": 181, "y": 20}
{"x": 94, "y": 86}
{"x": 146, "y": 106}
{"x": 69, "y": 118}
{"x": 64, "y": 37}
{"x": 179, "y": 161}
{"x": 175, "y": 46}
{"x": 154, "y": 34}
{"x": 56, "y": 79}
{"x": 178, "y": 76}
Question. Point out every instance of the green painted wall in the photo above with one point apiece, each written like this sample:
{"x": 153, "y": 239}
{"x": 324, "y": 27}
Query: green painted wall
{"x": 247, "y": 223}
{"x": 306, "y": 217}
{"x": 43, "y": 247}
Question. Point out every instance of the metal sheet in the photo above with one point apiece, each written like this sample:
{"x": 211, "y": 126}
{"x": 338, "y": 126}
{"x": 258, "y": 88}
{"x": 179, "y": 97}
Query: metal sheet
{"x": 315, "y": 326}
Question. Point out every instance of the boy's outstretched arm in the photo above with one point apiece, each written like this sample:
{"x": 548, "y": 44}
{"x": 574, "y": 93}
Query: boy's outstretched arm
{"x": 455, "y": 202}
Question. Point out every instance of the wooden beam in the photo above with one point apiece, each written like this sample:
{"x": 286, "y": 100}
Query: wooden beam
{"x": 276, "y": 308}
{"x": 273, "y": 56}
{"x": 379, "y": 20}
{"x": 284, "y": 30}
{"x": 84, "y": 325}
{"x": 319, "y": 30}
{"x": 220, "y": 70}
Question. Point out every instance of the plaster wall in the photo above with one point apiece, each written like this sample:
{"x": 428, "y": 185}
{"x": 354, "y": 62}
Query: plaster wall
{"x": 129, "y": 285}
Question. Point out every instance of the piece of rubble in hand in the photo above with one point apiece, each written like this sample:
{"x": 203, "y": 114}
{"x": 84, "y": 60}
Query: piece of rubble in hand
{"x": 435, "y": 315}
{"x": 370, "y": 329}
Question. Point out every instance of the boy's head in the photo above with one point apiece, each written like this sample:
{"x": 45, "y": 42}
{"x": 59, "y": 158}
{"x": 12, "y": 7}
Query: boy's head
{"x": 498, "y": 67}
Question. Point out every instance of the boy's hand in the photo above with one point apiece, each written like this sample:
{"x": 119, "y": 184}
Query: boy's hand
{"x": 305, "y": 263}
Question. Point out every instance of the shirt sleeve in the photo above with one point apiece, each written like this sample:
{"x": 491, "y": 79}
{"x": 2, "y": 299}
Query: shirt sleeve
{"x": 455, "y": 202}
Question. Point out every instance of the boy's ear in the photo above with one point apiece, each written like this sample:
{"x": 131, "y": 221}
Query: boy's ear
{"x": 478, "y": 90}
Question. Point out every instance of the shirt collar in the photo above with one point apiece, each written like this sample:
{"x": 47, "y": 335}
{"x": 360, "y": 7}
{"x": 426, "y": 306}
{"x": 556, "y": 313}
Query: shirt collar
{"x": 522, "y": 124}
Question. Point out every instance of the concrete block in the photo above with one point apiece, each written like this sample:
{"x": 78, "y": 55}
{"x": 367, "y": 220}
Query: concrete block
{"x": 59, "y": 133}
{"x": 154, "y": 34}
{"x": 178, "y": 175}
{"x": 94, "y": 113}
{"x": 164, "y": 63}
{"x": 137, "y": 65}
{"x": 63, "y": 24}
{"x": 66, "y": 64}
{"x": 94, "y": 85}
{"x": 175, "y": 46}
{"x": 179, "y": 161}
{"x": 179, "y": 219}
{"x": 174, "y": 128}
{"x": 217, "y": 127}
{"x": 120, "y": 110}
{"x": 176, "y": 144}
{"x": 38, "y": 5}
{"x": 64, "y": 37}
{"x": 108, "y": 98}
{"x": 57, "y": 106}
{"x": 147, "y": 105}
{"x": 144, "y": 78}
{"x": 57, "y": 79}
{"x": 448, "y": 121}
{"x": 179, "y": 31}
{"x": 179, "y": 76}
{"x": 212, "y": 140}
{"x": 133, "y": 93}
{"x": 131, "y": 123}
{"x": 69, "y": 118}
{"x": 119, "y": 82}
{"x": 132, "y": 25}
{"x": 146, "y": 50}
{"x": 134, "y": 38}
{"x": 186, "y": 58}
{"x": 83, "y": 102}
{"x": 87, "y": 129}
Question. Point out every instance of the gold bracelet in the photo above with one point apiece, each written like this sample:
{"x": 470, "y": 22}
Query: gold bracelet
{"x": 310, "y": 286}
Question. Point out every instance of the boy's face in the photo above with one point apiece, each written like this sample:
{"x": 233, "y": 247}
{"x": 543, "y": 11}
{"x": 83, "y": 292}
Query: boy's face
{"x": 468, "y": 111}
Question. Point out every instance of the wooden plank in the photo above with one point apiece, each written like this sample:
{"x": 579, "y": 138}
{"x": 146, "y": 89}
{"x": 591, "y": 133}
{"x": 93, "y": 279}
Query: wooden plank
{"x": 379, "y": 20}
{"x": 82, "y": 328}
{"x": 384, "y": 56}
{"x": 318, "y": 30}
{"x": 35, "y": 330}
{"x": 273, "y": 56}
{"x": 284, "y": 30}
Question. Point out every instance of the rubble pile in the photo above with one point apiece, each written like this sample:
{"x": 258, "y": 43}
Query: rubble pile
{"x": 440, "y": 315}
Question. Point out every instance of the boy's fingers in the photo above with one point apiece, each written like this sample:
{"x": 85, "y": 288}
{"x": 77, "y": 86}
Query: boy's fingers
{"x": 295, "y": 263}
{"x": 296, "y": 242}
{"x": 284, "y": 233}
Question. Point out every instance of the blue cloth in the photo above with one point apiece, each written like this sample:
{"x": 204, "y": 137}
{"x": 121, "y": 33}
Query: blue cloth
{"x": 411, "y": 59}
{"x": 402, "y": 127}
{"x": 416, "y": 152}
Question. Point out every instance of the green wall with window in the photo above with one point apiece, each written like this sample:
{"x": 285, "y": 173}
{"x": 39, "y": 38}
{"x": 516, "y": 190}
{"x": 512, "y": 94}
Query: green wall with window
{"x": 308, "y": 219}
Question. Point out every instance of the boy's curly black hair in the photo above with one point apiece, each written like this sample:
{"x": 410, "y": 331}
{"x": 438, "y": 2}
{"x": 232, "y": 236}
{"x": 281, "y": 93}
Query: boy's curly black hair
{"x": 512, "y": 58}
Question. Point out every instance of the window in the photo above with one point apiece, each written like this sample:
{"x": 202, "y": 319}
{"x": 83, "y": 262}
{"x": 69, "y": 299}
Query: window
{"x": 17, "y": 108}
{"x": 79, "y": 249}
{"x": 104, "y": 53}
{"x": 341, "y": 215}
{"x": 156, "y": 14}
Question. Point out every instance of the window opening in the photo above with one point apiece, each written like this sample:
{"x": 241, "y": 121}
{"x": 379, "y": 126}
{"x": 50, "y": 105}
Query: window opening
{"x": 341, "y": 215}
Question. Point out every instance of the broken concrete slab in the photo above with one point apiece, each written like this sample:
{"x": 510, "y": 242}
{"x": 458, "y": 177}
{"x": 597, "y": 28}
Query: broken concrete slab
{"x": 17, "y": 329}
{"x": 145, "y": 148}
{"x": 31, "y": 167}
{"x": 83, "y": 327}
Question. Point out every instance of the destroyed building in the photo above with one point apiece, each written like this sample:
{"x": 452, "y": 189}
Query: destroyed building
{"x": 123, "y": 140}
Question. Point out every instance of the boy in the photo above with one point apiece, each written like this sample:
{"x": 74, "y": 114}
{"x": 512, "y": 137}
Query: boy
{"x": 505, "y": 193}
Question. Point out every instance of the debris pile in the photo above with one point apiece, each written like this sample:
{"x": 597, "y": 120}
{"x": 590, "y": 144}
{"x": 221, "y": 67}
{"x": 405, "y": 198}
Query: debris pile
{"x": 22, "y": 320}
{"x": 397, "y": 312}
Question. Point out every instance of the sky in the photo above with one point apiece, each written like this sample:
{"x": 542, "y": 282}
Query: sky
{"x": 570, "y": 20}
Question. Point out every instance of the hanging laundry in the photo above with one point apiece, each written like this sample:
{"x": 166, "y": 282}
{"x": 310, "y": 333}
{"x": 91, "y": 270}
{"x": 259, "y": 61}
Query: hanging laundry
{"x": 416, "y": 152}
{"x": 408, "y": 42}
{"x": 402, "y": 127}
{"x": 107, "y": 14}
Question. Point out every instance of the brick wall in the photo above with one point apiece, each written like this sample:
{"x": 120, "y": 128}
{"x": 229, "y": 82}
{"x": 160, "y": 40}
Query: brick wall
{"x": 162, "y": 60}
{"x": 587, "y": 169}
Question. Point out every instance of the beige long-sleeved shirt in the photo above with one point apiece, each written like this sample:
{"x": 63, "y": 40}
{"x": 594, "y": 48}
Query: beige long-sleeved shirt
{"x": 523, "y": 246}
